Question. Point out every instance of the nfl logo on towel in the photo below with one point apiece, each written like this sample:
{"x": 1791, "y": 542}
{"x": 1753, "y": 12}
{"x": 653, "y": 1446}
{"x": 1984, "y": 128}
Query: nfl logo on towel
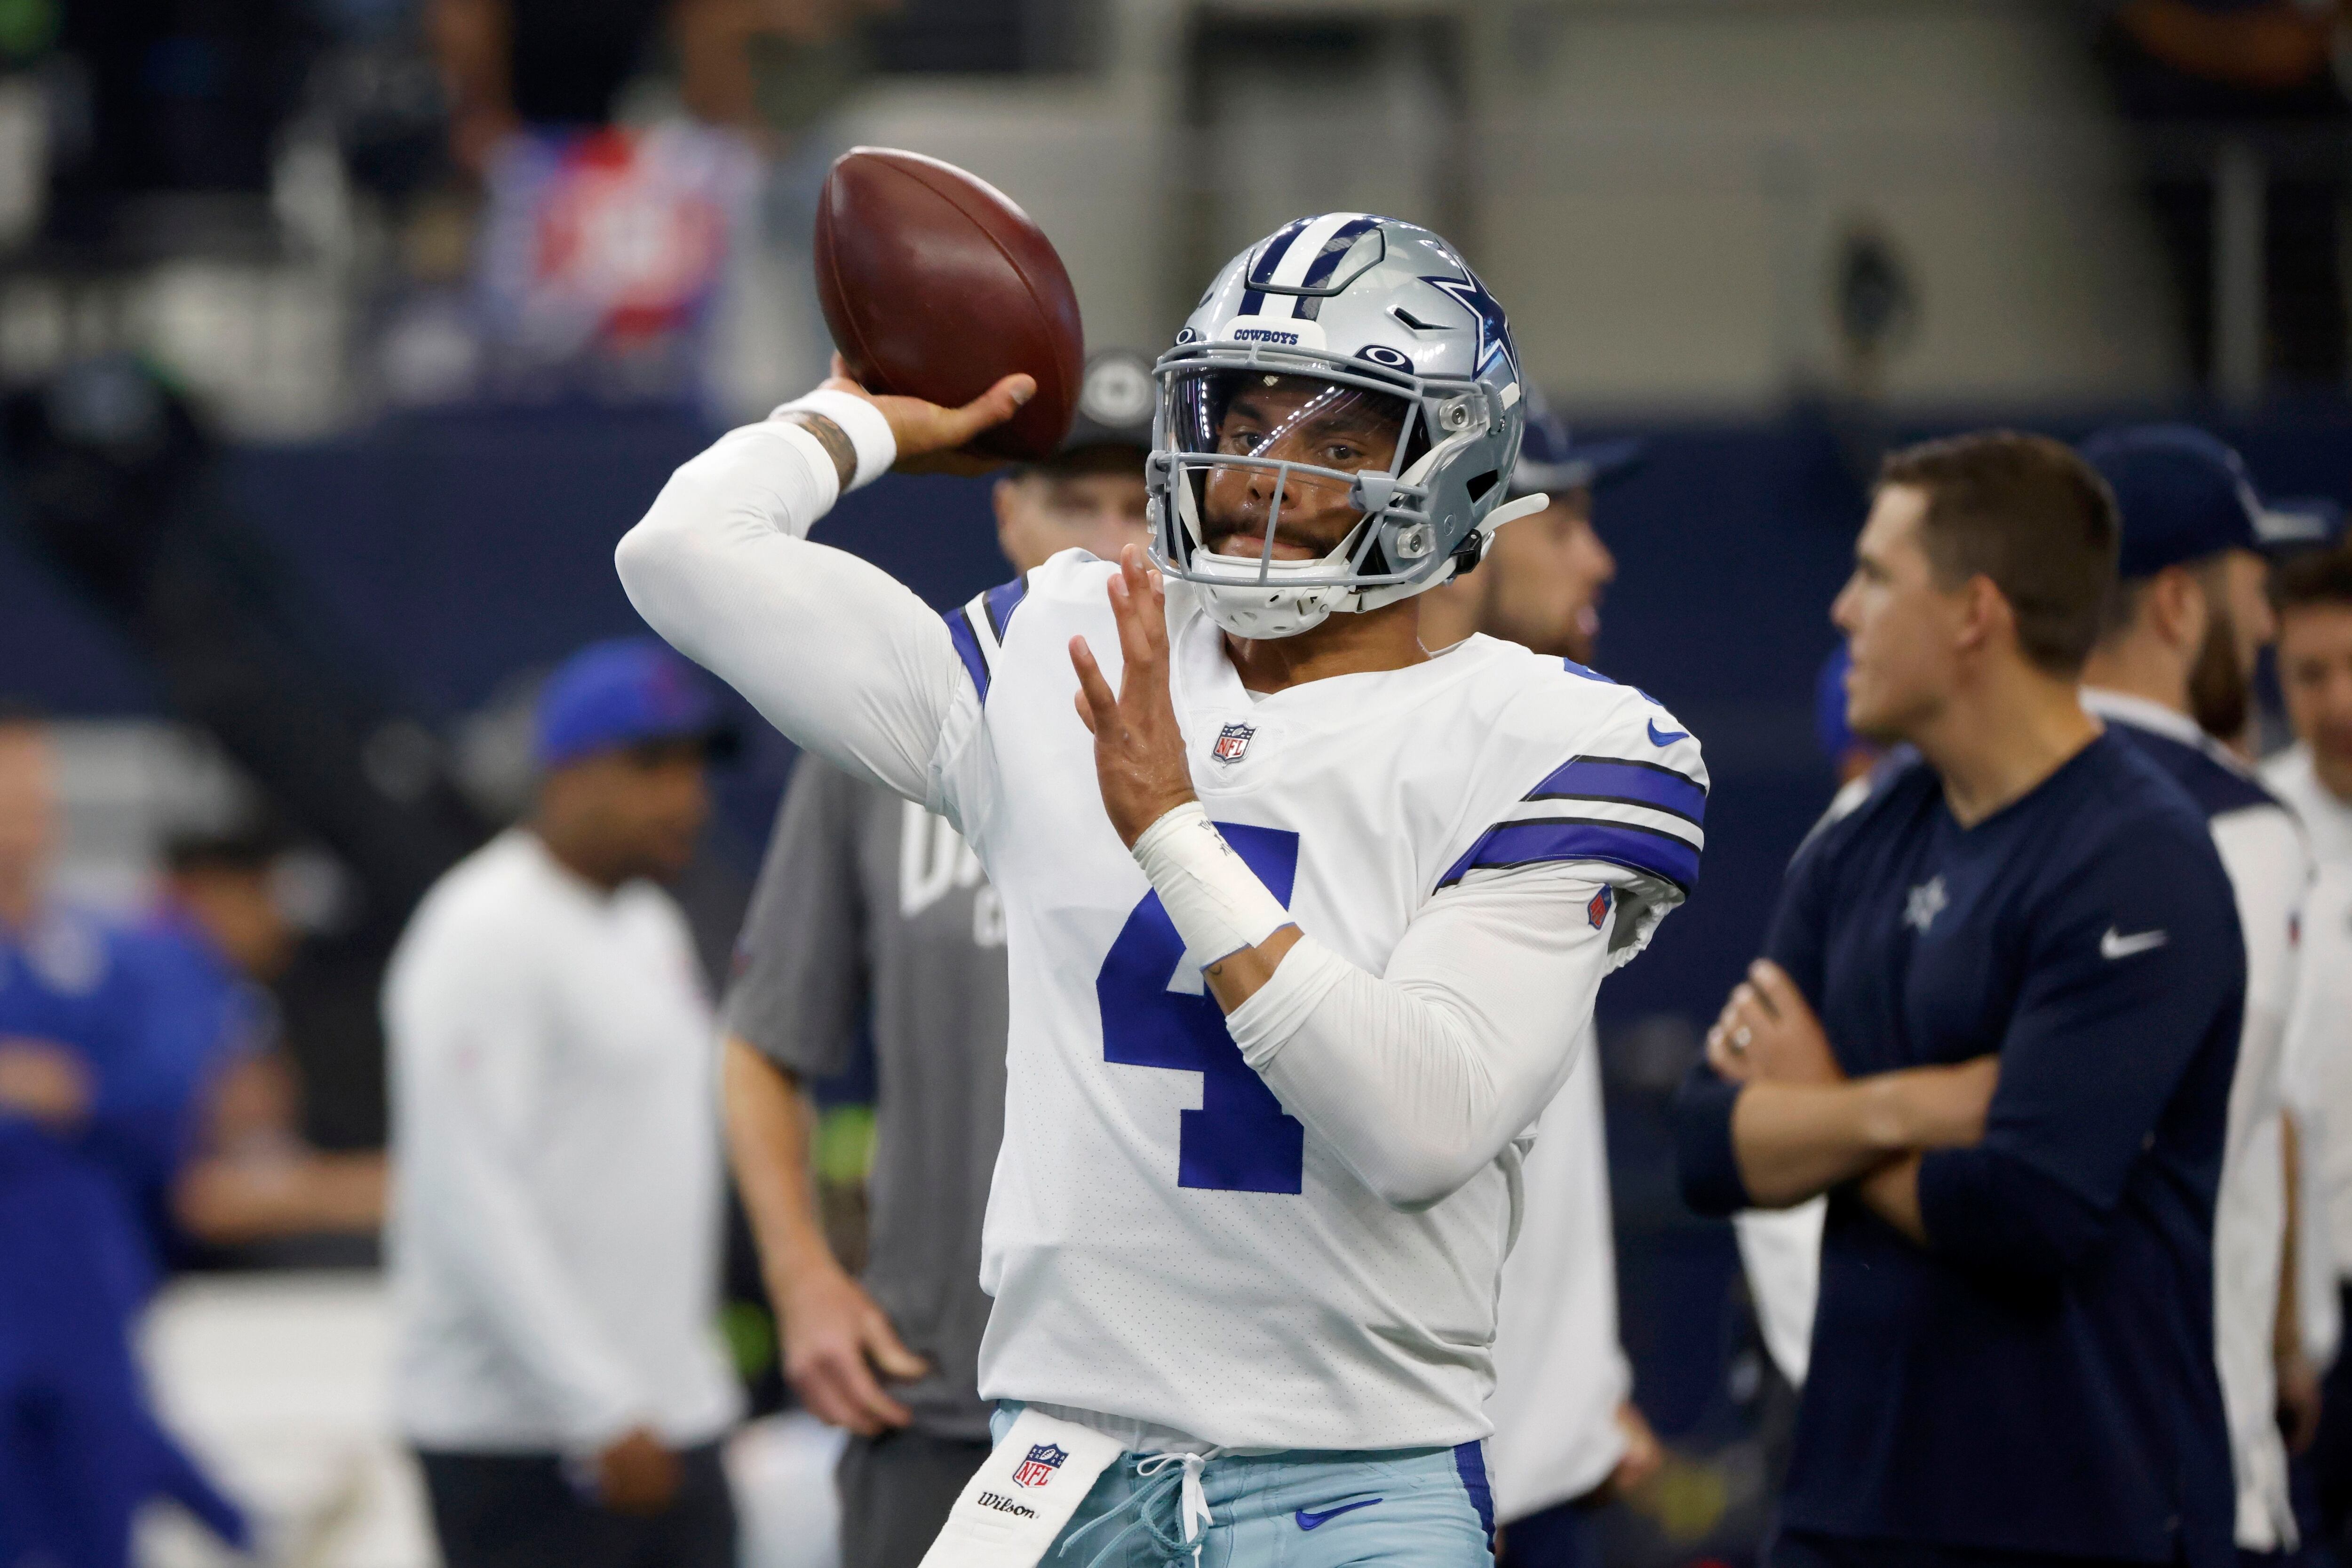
{"x": 1039, "y": 1467}
{"x": 1232, "y": 741}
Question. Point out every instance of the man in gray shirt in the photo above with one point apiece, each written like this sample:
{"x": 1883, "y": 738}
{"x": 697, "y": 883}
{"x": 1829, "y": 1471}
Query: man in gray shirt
{"x": 865, "y": 897}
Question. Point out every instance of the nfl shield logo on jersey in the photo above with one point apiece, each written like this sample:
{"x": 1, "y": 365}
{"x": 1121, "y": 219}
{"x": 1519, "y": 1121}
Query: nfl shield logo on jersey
{"x": 1232, "y": 741}
{"x": 1039, "y": 1467}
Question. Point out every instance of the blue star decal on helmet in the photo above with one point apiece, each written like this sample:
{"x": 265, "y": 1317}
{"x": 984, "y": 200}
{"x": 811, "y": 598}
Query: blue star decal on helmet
{"x": 1493, "y": 332}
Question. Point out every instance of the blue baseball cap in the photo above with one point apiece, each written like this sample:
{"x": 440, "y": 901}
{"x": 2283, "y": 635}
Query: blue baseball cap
{"x": 2183, "y": 495}
{"x": 622, "y": 693}
{"x": 1551, "y": 457}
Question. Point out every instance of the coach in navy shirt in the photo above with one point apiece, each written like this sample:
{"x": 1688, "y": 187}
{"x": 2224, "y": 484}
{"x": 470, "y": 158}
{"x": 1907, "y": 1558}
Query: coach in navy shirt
{"x": 1996, "y": 1022}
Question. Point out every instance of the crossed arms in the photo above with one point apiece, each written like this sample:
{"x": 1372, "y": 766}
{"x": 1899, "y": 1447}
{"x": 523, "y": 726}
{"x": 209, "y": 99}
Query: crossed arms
{"x": 1800, "y": 1126}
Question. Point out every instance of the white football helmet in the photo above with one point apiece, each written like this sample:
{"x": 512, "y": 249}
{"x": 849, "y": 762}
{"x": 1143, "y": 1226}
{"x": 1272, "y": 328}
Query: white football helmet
{"x": 1384, "y": 371}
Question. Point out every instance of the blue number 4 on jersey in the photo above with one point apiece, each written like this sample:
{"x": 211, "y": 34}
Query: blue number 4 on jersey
{"x": 1239, "y": 1140}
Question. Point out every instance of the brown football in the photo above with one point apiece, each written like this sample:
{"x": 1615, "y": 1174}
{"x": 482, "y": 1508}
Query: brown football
{"x": 935, "y": 285}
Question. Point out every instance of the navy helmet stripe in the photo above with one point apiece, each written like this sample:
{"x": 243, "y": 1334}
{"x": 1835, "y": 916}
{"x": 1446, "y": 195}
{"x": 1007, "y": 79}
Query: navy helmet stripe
{"x": 1261, "y": 271}
{"x": 1319, "y": 271}
{"x": 1642, "y": 784}
{"x": 967, "y": 647}
{"x": 1002, "y": 600}
{"x": 1579, "y": 839}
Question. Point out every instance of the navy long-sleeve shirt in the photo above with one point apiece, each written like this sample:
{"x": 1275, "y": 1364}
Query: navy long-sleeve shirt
{"x": 2040, "y": 1376}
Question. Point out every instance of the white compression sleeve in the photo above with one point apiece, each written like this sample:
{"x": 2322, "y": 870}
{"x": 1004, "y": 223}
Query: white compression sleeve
{"x": 1419, "y": 1078}
{"x": 830, "y": 650}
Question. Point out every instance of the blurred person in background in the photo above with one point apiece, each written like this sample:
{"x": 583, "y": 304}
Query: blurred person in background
{"x": 1552, "y": 569}
{"x": 2192, "y": 75}
{"x": 2173, "y": 670}
{"x": 96, "y": 1102}
{"x": 1568, "y": 1436}
{"x": 508, "y": 64}
{"x": 1995, "y": 1022}
{"x": 871, "y": 908}
{"x": 2314, "y": 605}
{"x": 254, "y": 1178}
{"x": 557, "y": 1185}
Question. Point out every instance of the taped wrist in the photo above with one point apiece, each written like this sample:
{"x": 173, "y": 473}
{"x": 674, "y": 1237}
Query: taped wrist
{"x": 1218, "y": 904}
{"x": 860, "y": 420}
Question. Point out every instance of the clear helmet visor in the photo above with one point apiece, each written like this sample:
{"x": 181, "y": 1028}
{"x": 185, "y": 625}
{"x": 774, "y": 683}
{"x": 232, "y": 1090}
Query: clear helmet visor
{"x": 1272, "y": 474}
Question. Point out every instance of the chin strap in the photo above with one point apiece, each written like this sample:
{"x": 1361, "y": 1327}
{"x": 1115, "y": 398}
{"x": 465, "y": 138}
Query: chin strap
{"x": 1467, "y": 556}
{"x": 1512, "y": 511}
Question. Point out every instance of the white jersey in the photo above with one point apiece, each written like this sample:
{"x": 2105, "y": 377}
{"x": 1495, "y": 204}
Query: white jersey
{"x": 2263, "y": 849}
{"x": 1780, "y": 1252}
{"x": 2319, "y": 1040}
{"x": 1164, "y": 1241}
{"x": 1192, "y": 1249}
{"x": 1560, "y": 1372}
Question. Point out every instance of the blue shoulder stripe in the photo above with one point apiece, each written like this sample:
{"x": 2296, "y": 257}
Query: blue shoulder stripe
{"x": 1553, "y": 838}
{"x": 1627, "y": 781}
{"x": 978, "y": 629}
{"x": 967, "y": 647}
{"x": 1002, "y": 600}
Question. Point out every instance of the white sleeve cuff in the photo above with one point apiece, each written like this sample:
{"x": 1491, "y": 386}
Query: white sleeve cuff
{"x": 868, "y": 432}
{"x": 1278, "y": 1009}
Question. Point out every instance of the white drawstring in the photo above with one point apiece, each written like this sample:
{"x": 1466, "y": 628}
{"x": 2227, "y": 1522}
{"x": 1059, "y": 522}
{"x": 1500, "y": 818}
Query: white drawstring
{"x": 1194, "y": 1498}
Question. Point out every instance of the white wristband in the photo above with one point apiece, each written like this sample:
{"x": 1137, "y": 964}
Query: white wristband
{"x": 868, "y": 432}
{"x": 1217, "y": 903}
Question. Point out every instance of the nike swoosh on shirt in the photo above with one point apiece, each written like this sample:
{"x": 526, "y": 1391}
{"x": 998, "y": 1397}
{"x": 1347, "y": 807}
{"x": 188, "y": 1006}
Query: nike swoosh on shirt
{"x": 1310, "y": 1520}
{"x": 1669, "y": 737}
{"x": 2115, "y": 945}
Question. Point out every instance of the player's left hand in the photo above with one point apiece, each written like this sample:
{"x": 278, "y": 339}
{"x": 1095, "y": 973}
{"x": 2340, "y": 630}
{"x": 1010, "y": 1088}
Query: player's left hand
{"x": 1139, "y": 748}
{"x": 1768, "y": 1033}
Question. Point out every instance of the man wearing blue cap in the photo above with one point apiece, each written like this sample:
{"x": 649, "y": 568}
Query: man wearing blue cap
{"x": 556, "y": 1198}
{"x": 2173, "y": 670}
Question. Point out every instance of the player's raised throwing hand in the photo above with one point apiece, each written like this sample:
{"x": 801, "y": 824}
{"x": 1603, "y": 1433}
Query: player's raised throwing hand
{"x": 1139, "y": 748}
{"x": 930, "y": 438}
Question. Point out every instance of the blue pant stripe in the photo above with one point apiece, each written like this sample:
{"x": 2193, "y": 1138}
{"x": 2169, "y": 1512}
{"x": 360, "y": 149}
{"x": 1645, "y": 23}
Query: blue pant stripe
{"x": 1470, "y": 1464}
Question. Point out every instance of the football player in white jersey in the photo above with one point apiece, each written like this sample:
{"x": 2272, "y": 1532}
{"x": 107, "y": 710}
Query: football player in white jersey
{"x": 1304, "y": 920}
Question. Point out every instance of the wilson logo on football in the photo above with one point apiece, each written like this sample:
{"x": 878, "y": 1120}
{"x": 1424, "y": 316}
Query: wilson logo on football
{"x": 1039, "y": 1467}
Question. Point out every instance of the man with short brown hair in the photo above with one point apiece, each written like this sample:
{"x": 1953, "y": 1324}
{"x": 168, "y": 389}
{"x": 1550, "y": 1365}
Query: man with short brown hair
{"x": 1995, "y": 1022}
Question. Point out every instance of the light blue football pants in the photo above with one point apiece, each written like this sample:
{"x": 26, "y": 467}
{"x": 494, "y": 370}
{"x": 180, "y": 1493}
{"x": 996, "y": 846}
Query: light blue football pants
{"x": 1425, "y": 1508}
